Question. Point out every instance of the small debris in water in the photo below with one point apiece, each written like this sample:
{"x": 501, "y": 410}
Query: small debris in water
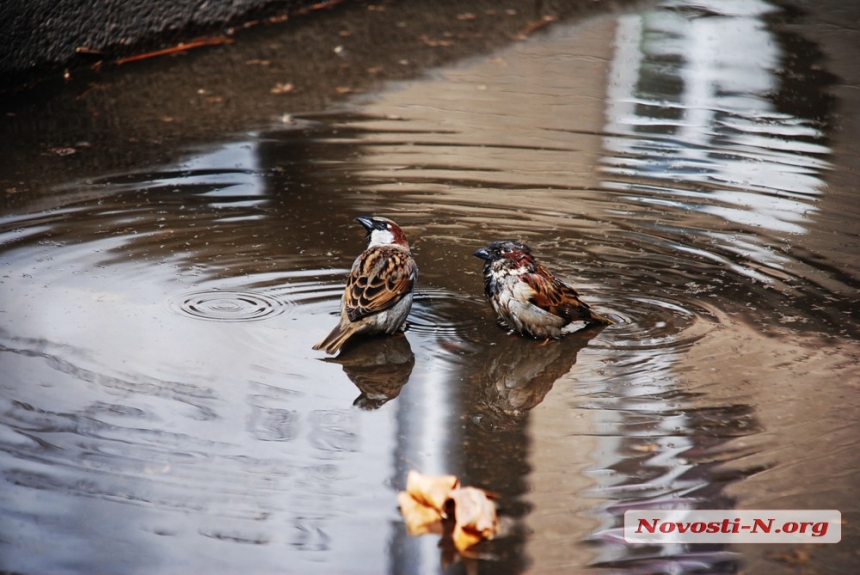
{"x": 181, "y": 47}
{"x": 286, "y": 88}
{"x": 434, "y": 43}
{"x": 795, "y": 557}
{"x": 535, "y": 26}
{"x": 63, "y": 151}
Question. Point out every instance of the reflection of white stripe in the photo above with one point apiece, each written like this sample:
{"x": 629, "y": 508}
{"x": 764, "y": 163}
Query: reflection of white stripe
{"x": 427, "y": 402}
{"x": 435, "y": 410}
{"x": 624, "y": 74}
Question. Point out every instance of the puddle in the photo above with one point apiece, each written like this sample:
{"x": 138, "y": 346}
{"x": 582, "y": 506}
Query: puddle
{"x": 161, "y": 409}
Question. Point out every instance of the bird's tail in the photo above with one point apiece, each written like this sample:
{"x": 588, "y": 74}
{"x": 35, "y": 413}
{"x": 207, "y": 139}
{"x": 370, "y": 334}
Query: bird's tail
{"x": 595, "y": 317}
{"x": 334, "y": 340}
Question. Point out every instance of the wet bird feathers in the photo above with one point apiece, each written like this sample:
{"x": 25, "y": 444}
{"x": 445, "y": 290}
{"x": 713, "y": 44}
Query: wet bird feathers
{"x": 527, "y": 297}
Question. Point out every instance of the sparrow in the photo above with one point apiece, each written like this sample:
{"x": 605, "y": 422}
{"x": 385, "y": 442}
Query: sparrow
{"x": 379, "y": 290}
{"x": 526, "y": 297}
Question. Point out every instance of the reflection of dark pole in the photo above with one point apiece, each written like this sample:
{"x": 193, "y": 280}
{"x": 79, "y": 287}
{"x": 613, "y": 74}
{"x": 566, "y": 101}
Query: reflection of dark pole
{"x": 497, "y": 459}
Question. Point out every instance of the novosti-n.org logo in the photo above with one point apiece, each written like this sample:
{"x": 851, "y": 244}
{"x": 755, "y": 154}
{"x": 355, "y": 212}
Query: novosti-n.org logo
{"x": 733, "y": 526}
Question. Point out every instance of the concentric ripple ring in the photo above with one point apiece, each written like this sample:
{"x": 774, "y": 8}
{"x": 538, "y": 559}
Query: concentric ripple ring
{"x": 217, "y": 305}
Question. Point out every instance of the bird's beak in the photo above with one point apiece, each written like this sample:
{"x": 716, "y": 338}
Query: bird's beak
{"x": 367, "y": 222}
{"x": 482, "y": 253}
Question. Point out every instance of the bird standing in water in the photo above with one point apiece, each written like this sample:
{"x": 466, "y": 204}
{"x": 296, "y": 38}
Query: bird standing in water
{"x": 379, "y": 291}
{"x": 526, "y": 297}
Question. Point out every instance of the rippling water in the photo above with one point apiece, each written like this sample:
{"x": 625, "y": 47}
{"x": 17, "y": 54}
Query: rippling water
{"x": 162, "y": 409}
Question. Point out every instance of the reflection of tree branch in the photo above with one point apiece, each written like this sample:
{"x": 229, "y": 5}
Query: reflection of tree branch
{"x": 378, "y": 366}
{"x": 519, "y": 372}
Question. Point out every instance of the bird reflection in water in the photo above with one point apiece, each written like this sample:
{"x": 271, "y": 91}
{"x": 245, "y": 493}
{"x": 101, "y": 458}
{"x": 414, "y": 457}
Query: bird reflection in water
{"x": 518, "y": 373}
{"x": 378, "y": 366}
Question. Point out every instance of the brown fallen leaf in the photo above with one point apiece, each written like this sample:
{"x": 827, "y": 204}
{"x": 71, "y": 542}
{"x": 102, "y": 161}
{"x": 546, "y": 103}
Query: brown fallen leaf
{"x": 437, "y": 504}
{"x": 475, "y": 517}
{"x": 475, "y": 511}
{"x": 431, "y": 490}
{"x": 420, "y": 519}
{"x": 347, "y": 90}
{"x": 434, "y": 43}
{"x": 280, "y": 88}
{"x": 535, "y": 26}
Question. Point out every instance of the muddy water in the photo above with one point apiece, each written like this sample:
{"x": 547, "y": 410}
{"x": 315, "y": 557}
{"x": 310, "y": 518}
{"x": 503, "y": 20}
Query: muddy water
{"x": 687, "y": 167}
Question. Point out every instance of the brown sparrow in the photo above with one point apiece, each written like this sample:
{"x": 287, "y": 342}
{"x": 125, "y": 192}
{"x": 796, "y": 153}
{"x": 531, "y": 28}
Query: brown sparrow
{"x": 378, "y": 294}
{"x": 526, "y": 297}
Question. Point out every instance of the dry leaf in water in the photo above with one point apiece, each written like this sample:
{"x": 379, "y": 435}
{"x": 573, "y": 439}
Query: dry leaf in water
{"x": 280, "y": 88}
{"x": 431, "y": 490}
{"x": 427, "y": 503}
{"x": 475, "y": 517}
{"x": 423, "y": 502}
{"x": 420, "y": 519}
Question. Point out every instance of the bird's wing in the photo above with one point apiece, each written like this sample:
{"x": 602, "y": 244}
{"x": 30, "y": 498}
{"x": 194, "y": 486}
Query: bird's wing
{"x": 555, "y": 296}
{"x": 380, "y": 278}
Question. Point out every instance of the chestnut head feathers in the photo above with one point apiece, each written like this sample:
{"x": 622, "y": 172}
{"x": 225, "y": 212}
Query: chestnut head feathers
{"x": 382, "y": 231}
